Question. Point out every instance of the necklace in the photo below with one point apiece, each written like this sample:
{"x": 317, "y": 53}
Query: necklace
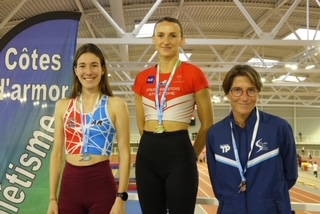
{"x": 85, "y": 127}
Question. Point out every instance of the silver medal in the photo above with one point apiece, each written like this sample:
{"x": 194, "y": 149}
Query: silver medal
{"x": 86, "y": 157}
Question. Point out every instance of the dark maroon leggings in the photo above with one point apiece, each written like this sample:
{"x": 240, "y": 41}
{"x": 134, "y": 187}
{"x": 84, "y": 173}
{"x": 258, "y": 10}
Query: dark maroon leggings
{"x": 87, "y": 189}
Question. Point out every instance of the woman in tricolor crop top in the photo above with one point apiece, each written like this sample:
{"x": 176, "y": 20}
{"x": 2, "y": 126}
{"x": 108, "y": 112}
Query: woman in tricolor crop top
{"x": 85, "y": 127}
{"x": 166, "y": 94}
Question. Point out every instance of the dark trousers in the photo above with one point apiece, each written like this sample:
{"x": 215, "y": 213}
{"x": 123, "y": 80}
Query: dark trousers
{"x": 87, "y": 189}
{"x": 166, "y": 173}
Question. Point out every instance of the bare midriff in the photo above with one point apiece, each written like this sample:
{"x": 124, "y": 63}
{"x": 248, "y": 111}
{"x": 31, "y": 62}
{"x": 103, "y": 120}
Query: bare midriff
{"x": 169, "y": 126}
{"x": 76, "y": 160}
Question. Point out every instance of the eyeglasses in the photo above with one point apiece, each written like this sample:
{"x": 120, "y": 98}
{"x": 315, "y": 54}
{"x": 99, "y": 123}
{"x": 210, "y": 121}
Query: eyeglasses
{"x": 251, "y": 92}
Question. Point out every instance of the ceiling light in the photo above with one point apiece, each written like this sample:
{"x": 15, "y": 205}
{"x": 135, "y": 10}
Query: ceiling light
{"x": 216, "y": 99}
{"x": 262, "y": 63}
{"x": 185, "y": 57}
{"x": 294, "y": 67}
{"x": 289, "y": 78}
{"x": 291, "y": 66}
{"x": 145, "y": 31}
{"x": 310, "y": 67}
{"x": 303, "y": 34}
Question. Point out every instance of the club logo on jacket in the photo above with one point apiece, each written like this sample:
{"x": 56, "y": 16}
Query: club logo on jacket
{"x": 262, "y": 146}
{"x": 225, "y": 148}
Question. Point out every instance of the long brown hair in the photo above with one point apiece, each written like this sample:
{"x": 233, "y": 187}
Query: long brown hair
{"x": 104, "y": 83}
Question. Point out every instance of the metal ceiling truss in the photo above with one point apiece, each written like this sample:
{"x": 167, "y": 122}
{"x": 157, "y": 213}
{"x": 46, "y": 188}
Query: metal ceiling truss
{"x": 223, "y": 51}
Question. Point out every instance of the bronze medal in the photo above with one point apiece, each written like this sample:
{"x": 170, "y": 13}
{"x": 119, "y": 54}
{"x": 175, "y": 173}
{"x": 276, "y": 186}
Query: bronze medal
{"x": 242, "y": 186}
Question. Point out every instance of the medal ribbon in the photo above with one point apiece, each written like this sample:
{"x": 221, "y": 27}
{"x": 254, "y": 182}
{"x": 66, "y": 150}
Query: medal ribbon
{"x": 236, "y": 153}
{"x": 86, "y": 130}
{"x": 160, "y": 103}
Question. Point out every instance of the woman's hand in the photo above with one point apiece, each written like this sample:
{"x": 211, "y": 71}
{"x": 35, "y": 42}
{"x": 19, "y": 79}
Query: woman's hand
{"x": 119, "y": 207}
{"x": 53, "y": 207}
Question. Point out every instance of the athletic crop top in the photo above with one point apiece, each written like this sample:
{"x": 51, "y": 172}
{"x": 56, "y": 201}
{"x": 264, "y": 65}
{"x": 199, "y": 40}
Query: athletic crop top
{"x": 101, "y": 134}
{"x": 180, "y": 99}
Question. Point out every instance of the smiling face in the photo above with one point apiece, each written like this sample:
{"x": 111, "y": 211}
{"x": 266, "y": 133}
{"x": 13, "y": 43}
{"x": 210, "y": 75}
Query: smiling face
{"x": 243, "y": 105}
{"x": 168, "y": 39}
{"x": 89, "y": 71}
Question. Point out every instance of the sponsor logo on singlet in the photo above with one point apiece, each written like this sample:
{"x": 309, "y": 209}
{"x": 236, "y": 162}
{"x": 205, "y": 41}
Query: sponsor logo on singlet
{"x": 163, "y": 83}
{"x": 71, "y": 123}
{"x": 150, "y": 79}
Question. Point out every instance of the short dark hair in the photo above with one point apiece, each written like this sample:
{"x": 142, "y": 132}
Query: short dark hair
{"x": 168, "y": 19}
{"x": 241, "y": 70}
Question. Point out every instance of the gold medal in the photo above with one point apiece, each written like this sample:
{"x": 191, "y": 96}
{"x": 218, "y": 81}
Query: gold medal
{"x": 159, "y": 129}
{"x": 242, "y": 186}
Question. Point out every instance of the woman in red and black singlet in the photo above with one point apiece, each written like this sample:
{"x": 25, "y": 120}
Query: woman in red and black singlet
{"x": 165, "y": 95}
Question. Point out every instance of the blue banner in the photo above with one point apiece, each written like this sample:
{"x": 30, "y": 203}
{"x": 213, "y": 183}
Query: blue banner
{"x": 35, "y": 71}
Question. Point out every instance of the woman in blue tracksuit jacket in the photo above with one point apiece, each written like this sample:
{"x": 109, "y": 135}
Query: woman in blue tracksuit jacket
{"x": 251, "y": 154}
